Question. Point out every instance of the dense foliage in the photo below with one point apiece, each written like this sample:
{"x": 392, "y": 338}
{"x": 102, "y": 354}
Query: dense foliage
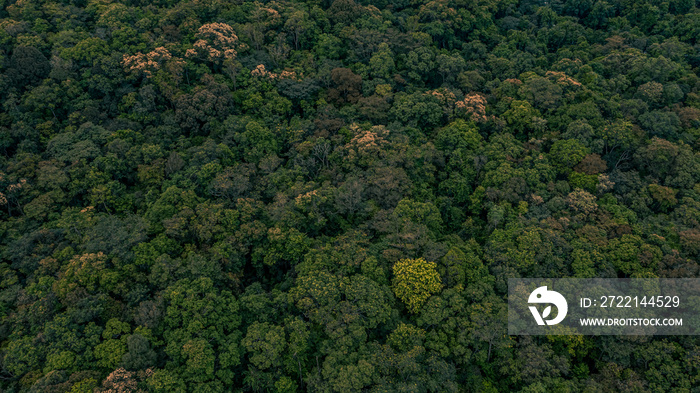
{"x": 329, "y": 196}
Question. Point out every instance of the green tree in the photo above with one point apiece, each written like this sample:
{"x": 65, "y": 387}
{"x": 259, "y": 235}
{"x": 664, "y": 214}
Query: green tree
{"x": 523, "y": 117}
{"x": 139, "y": 355}
{"x": 382, "y": 62}
{"x": 265, "y": 344}
{"x": 565, "y": 154}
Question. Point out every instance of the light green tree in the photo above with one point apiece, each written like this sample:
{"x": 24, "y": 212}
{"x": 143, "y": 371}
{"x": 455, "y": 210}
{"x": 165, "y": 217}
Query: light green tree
{"x": 415, "y": 280}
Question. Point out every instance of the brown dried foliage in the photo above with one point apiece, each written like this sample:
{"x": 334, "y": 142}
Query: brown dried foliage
{"x": 150, "y": 62}
{"x": 473, "y": 104}
{"x": 216, "y": 42}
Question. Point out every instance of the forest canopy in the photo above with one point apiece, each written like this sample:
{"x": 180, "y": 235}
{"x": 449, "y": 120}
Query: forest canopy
{"x": 330, "y": 195}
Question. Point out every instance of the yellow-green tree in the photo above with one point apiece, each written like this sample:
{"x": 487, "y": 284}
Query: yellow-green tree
{"x": 415, "y": 280}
